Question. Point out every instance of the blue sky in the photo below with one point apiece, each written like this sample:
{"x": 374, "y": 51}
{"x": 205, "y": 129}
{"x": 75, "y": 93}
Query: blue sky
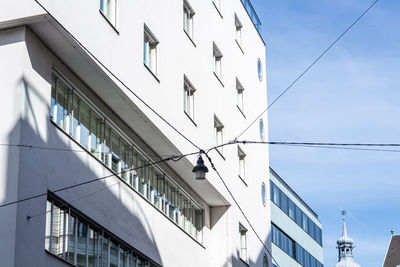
{"x": 351, "y": 95}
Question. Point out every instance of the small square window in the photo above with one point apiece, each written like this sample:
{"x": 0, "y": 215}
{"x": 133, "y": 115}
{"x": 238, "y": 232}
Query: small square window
{"x": 243, "y": 242}
{"x": 217, "y": 60}
{"x": 240, "y": 92}
{"x": 218, "y": 133}
{"x": 188, "y": 14}
{"x": 188, "y": 98}
{"x": 150, "y": 44}
{"x": 109, "y": 10}
{"x": 238, "y": 27}
{"x": 242, "y": 167}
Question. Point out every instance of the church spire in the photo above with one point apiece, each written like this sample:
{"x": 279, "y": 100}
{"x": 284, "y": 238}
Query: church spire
{"x": 345, "y": 247}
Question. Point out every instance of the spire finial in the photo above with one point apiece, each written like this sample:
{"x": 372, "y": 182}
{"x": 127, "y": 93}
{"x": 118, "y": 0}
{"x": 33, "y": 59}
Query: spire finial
{"x": 344, "y": 230}
{"x": 392, "y": 231}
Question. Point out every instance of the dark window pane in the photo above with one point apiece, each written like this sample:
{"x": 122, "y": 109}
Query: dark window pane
{"x": 81, "y": 244}
{"x": 96, "y": 132}
{"x": 113, "y": 254}
{"x": 84, "y": 125}
{"x": 93, "y": 249}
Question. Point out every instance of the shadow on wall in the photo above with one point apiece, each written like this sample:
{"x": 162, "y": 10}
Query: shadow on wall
{"x": 32, "y": 171}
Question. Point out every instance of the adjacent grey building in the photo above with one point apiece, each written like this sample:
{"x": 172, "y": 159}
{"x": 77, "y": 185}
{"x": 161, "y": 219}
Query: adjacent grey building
{"x": 296, "y": 232}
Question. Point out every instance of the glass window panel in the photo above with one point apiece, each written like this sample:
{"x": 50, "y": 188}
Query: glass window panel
{"x": 115, "y": 146}
{"x": 113, "y": 254}
{"x": 106, "y": 155}
{"x": 84, "y": 125}
{"x": 276, "y": 195}
{"x": 104, "y": 254}
{"x": 291, "y": 209}
{"x": 93, "y": 249}
{"x": 58, "y": 231}
{"x": 271, "y": 190}
{"x": 133, "y": 174}
{"x": 123, "y": 257}
{"x": 53, "y": 97}
{"x": 305, "y": 221}
{"x": 75, "y": 118}
{"x": 298, "y": 216}
{"x": 48, "y": 226}
{"x": 71, "y": 240}
{"x": 62, "y": 105}
{"x": 125, "y": 152}
{"x": 81, "y": 244}
{"x": 96, "y": 132}
{"x": 284, "y": 202}
{"x": 132, "y": 260}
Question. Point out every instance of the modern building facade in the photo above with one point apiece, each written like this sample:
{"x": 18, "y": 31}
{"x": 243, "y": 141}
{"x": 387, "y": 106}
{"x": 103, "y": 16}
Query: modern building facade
{"x": 91, "y": 173}
{"x": 345, "y": 246}
{"x": 296, "y": 232}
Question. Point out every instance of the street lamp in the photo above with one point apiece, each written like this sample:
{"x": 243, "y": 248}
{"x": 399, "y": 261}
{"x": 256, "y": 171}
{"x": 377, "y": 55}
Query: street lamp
{"x": 200, "y": 169}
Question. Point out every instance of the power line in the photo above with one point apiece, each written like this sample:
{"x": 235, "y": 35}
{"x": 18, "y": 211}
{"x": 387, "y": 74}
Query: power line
{"x": 327, "y": 145}
{"x": 308, "y": 68}
{"x": 173, "y": 158}
{"x": 346, "y": 148}
{"x": 239, "y": 207}
{"x": 42, "y": 148}
{"x": 68, "y": 203}
{"x": 115, "y": 76}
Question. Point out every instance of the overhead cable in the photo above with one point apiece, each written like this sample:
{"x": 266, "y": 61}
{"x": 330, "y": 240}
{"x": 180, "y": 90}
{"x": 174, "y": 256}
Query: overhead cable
{"x": 308, "y": 68}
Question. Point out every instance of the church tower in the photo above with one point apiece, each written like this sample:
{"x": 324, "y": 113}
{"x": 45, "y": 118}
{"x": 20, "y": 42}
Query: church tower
{"x": 345, "y": 248}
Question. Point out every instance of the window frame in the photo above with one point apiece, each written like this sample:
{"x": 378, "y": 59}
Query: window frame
{"x": 189, "y": 106}
{"x": 217, "y": 62}
{"x": 240, "y": 97}
{"x": 218, "y": 134}
{"x": 238, "y": 32}
{"x": 150, "y": 51}
{"x": 188, "y": 20}
{"x": 242, "y": 164}
{"x": 243, "y": 243}
{"x": 113, "y": 20}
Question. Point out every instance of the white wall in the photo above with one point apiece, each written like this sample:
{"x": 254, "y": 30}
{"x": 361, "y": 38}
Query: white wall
{"x": 122, "y": 53}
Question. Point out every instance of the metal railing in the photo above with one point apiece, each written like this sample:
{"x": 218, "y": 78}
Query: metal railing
{"x": 253, "y": 15}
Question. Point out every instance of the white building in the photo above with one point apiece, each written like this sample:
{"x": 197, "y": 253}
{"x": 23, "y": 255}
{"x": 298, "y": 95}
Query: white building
{"x": 69, "y": 118}
{"x": 296, "y": 232}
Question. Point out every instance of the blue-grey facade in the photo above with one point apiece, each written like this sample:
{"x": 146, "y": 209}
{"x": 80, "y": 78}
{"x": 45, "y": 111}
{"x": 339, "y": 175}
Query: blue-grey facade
{"x": 296, "y": 232}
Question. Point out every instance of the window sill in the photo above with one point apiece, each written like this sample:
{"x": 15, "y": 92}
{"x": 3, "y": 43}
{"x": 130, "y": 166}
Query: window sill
{"x": 242, "y": 180}
{"x": 190, "y": 38}
{"x": 219, "y": 11}
{"x": 190, "y": 118}
{"x": 241, "y": 49}
{"x": 216, "y": 76}
{"x": 109, "y": 22}
{"x": 241, "y": 111}
{"x": 152, "y": 73}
